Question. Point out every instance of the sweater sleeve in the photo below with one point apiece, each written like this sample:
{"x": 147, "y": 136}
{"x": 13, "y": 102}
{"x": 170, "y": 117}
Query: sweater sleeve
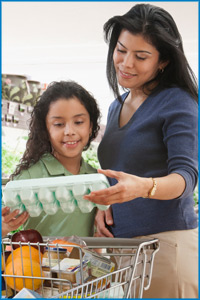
{"x": 180, "y": 132}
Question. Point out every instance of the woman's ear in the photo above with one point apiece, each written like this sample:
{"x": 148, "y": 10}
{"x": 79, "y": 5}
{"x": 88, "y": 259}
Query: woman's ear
{"x": 163, "y": 65}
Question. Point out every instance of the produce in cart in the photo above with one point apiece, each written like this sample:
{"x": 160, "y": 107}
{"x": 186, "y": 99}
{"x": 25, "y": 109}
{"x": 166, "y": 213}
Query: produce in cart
{"x": 28, "y": 235}
{"x": 25, "y": 252}
{"x": 23, "y": 267}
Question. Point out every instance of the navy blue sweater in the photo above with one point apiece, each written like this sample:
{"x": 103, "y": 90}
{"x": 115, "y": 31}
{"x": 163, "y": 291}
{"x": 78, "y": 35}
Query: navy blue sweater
{"x": 160, "y": 138}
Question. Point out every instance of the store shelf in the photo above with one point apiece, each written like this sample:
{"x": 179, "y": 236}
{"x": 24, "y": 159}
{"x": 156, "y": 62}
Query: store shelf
{"x": 16, "y": 115}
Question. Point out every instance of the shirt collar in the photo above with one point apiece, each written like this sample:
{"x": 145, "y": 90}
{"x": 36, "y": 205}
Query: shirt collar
{"x": 55, "y": 168}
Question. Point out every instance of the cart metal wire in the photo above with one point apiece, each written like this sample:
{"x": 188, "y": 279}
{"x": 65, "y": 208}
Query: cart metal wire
{"x": 133, "y": 258}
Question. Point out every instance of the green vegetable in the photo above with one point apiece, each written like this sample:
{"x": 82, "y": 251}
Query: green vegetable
{"x": 90, "y": 156}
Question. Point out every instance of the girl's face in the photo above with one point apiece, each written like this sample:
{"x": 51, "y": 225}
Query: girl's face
{"x": 135, "y": 60}
{"x": 69, "y": 127}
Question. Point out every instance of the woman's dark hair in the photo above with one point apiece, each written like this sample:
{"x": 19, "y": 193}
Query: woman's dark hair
{"x": 38, "y": 139}
{"x": 159, "y": 29}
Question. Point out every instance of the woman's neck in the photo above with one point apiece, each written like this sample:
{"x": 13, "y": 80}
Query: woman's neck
{"x": 137, "y": 96}
{"x": 133, "y": 101}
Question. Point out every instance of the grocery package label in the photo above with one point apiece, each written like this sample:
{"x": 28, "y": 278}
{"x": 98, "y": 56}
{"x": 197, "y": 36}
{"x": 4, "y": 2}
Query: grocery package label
{"x": 72, "y": 266}
{"x": 46, "y": 274}
{"x": 99, "y": 265}
{"x": 67, "y": 264}
{"x": 85, "y": 274}
{"x": 46, "y": 262}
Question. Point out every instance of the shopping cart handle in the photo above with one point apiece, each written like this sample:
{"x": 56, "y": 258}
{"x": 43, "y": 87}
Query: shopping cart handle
{"x": 120, "y": 242}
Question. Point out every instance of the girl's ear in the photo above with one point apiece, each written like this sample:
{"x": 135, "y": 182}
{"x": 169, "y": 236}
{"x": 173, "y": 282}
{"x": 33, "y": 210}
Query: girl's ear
{"x": 91, "y": 126}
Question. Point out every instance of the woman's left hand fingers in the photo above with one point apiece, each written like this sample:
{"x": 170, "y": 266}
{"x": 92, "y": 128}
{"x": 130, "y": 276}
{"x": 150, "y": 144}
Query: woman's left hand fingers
{"x": 127, "y": 188}
{"x": 107, "y": 200}
{"x": 101, "y": 194}
{"x": 117, "y": 188}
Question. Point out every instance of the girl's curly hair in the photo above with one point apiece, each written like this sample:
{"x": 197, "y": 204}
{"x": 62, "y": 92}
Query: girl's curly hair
{"x": 38, "y": 139}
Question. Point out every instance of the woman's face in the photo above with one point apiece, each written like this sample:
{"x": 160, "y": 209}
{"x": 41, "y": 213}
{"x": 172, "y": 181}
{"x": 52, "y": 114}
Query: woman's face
{"x": 135, "y": 60}
{"x": 69, "y": 127}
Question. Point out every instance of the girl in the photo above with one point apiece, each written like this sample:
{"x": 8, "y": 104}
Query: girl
{"x": 63, "y": 123}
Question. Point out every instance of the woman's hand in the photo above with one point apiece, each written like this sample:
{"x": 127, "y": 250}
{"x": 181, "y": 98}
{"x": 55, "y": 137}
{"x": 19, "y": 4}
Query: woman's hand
{"x": 128, "y": 187}
{"x": 10, "y": 221}
{"x": 102, "y": 218}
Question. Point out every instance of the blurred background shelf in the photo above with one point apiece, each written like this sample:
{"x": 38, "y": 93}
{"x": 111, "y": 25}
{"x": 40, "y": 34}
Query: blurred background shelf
{"x": 16, "y": 115}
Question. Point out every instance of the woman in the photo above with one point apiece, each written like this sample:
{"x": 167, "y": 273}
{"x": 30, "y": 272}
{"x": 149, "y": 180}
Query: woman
{"x": 150, "y": 146}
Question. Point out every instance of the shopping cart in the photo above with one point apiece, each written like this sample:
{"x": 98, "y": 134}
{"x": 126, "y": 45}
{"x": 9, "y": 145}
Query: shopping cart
{"x": 133, "y": 260}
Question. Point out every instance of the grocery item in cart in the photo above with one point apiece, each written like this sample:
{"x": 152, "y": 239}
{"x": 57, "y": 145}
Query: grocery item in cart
{"x": 27, "y": 293}
{"x": 28, "y": 235}
{"x": 53, "y": 193}
{"x": 71, "y": 243}
{"x": 70, "y": 269}
{"x": 63, "y": 286}
{"x": 25, "y": 252}
{"x": 52, "y": 256}
{"x": 100, "y": 265}
{"x": 23, "y": 267}
{"x": 65, "y": 245}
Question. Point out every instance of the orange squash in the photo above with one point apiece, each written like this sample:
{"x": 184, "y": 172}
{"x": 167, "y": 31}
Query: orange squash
{"x": 30, "y": 268}
{"x": 27, "y": 252}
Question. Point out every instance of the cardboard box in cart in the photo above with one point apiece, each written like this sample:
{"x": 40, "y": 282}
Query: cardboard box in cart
{"x": 100, "y": 265}
{"x": 70, "y": 269}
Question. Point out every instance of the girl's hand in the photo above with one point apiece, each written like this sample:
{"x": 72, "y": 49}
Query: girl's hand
{"x": 10, "y": 221}
{"x": 102, "y": 218}
{"x": 128, "y": 187}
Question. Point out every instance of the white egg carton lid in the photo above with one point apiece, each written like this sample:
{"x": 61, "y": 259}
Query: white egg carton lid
{"x": 50, "y": 194}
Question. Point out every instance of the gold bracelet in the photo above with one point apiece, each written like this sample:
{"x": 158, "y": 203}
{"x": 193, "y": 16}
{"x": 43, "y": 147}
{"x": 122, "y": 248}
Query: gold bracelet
{"x": 153, "y": 189}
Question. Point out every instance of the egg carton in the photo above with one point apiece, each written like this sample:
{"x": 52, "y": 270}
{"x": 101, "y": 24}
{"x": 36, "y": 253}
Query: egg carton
{"x": 53, "y": 193}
